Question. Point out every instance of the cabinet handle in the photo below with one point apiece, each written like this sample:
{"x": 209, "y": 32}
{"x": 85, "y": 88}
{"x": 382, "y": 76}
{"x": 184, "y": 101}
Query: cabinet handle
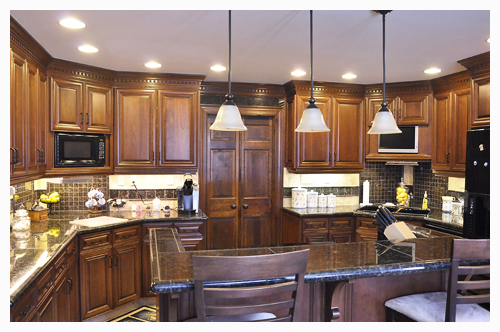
{"x": 153, "y": 156}
{"x": 72, "y": 252}
{"x": 95, "y": 243}
{"x": 87, "y": 118}
{"x": 233, "y": 206}
{"x": 47, "y": 285}
{"x": 70, "y": 284}
{"x": 116, "y": 263}
{"x": 81, "y": 118}
{"x": 245, "y": 206}
{"x": 39, "y": 155}
{"x": 43, "y": 155}
{"x": 330, "y": 157}
{"x": 111, "y": 261}
{"x": 447, "y": 157}
{"x": 12, "y": 156}
{"x": 126, "y": 236}
{"x": 17, "y": 155}
{"x": 62, "y": 266}
{"x": 28, "y": 308}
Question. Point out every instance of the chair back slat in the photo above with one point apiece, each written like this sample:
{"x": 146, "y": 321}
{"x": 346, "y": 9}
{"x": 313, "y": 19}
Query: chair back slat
{"x": 220, "y": 310}
{"x": 472, "y": 290}
{"x": 243, "y": 292}
{"x": 282, "y": 298}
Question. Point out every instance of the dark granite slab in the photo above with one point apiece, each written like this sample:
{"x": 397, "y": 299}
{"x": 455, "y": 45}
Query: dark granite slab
{"x": 172, "y": 269}
{"x": 30, "y": 253}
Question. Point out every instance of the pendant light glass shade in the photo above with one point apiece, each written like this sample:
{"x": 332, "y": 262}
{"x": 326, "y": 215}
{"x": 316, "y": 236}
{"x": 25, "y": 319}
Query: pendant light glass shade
{"x": 312, "y": 119}
{"x": 228, "y": 117}
{"x": 384, "y": 122}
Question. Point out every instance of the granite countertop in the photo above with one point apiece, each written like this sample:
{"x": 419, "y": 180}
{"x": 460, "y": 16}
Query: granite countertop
{"x": 439, "y": 218}
{"x": 172, "y": 268}
{"x": 31, "y": 252}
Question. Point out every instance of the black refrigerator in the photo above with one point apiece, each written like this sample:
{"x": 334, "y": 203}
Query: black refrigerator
{"x": 477, "y": 185}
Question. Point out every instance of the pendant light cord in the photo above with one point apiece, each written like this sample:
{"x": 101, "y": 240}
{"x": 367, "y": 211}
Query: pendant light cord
{"x": 229, "y": 96}
{"x": 384, "y": 103}
{"x": 311, "y": 101}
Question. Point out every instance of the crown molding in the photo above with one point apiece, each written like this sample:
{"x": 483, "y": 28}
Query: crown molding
{"x": 26, "y": 46}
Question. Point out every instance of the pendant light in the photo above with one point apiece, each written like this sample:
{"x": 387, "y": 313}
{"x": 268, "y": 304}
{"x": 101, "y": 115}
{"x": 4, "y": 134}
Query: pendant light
{"x": 312, "y": 119}
{"x": 228, "y": 118}
{"x": 384, "y": 122}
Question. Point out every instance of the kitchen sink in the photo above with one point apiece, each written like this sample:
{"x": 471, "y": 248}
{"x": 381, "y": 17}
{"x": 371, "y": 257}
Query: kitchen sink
{"x": 396, "y": 210}
{"x": 98, "y": 221}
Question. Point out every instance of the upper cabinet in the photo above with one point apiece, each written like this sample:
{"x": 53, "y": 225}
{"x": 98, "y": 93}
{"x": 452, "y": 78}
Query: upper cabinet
{"x": 478, "y": 68}
{"x": 81, "y": 107}
{"x": 164, "y": 117}
{"x": 411, "y": 105}
{"x": 340, "y": 150}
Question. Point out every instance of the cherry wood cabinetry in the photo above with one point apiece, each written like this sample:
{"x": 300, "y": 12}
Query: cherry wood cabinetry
{"x": 340, "y": 150}
{"x": 191, "y": 233}
{"x": 451, "y": 122}
{"x": 80, "y": 107}
{"x": 316, "y": 229}
{"x": 110, "y": 269}
{"x": 28, "y": 116}
{"x": 25, "y": 309}
{"x": 478, "y": 68}
{"x": 411, "y": 104}
{"x": 164, "y": 117}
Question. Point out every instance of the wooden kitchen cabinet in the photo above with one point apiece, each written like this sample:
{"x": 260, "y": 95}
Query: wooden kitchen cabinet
{"x": 410, "y": 109}
{"x": 110, "y": 269}
{"x": 365, "y": 230}
{"x": 80, "y": 107}
{"x": 28, "y": 116}
{"x": 297, "y": 230}
{"x": 451, "y": 111}
{"x": 340, "y": 150}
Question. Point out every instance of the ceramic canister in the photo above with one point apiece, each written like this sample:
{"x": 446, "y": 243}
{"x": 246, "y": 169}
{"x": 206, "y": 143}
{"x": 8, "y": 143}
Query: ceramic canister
{"x": 299, "y": 198}
{"x": 322, "y": 201}
{"x": 312, "y": 199}
{"x": 331, "y": 200}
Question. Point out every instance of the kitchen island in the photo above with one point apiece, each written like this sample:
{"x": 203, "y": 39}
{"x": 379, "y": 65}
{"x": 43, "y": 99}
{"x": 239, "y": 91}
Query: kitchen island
{"x": 344, "y": 281}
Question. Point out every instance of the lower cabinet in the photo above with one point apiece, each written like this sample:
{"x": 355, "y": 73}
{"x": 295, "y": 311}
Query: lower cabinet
{"x": 110, "y": 270}
{"x": 365, "y": 230}
{"x": 316, "y": 229}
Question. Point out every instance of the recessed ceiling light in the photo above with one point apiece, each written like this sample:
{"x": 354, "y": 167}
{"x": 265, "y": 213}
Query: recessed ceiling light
{"x": 488, "y": 40}
{"x": 218, "y": 68}
{"x": 72, "y": 23}
{"x": 432, "y": 71}
{"x": 153, "y": 64}
{"x": 298, "y": 72}
{"x": 88, "y": 49}
{"x": 349, "y": 76}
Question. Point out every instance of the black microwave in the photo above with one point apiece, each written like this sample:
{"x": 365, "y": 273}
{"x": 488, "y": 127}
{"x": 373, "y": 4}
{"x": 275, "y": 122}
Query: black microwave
{"x": 79, "y": 150}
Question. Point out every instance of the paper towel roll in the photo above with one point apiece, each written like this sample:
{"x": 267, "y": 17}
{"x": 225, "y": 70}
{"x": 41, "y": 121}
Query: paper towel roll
{"x": 366, "y": 192}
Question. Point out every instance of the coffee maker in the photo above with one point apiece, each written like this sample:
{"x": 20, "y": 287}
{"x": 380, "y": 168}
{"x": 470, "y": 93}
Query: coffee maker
{"x": 188, "y": 196}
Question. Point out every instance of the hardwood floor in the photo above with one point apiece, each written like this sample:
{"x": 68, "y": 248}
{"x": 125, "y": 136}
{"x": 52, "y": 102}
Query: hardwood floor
{"x": 123, "y": 309}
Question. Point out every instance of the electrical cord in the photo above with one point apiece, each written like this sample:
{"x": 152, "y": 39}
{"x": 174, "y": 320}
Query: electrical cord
{"x": 137, "y": 190}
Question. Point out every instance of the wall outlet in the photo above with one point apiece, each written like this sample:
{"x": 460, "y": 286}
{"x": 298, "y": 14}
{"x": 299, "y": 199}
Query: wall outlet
{"x": 133, "y": 179}
{"x": 121, "y": 180}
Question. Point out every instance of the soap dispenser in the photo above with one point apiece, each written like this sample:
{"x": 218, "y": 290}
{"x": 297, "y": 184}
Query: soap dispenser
{"x": 425, "y": 201}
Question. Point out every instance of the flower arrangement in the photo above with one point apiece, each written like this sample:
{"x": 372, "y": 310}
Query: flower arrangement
{"x": 96, "y": 200}
{"x": 117, "y": 203}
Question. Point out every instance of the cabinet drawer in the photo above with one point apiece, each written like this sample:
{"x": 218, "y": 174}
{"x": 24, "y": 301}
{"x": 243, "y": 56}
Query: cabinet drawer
{"x": 45, "y": 282}
{"x": 71, "y": 252}
{"x": 60, "y": 264}
{"x": 25, "y": 307}
{"x": 341, "y": 225}
{"x": 315, "y": 237}
{"x": 366, "y": 223}
{"x": 126, "y": 234}
{"x": 188, "y": 227}
{"x": 316, "y": 225}
{"x": 95, "y": 240}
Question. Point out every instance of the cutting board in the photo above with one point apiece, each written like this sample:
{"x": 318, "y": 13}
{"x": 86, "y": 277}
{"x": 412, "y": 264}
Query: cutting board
{"x": 97, "y": 221}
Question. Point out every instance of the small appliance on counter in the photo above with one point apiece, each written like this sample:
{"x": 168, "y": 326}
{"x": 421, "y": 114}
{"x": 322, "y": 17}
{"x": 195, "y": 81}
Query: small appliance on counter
{"x": 188, "y": 196}
{"x": 477, "y": 185}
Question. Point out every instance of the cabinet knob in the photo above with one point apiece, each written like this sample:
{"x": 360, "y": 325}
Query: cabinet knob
{"x": 245, "y": 206}
{"x": 233, "y": 206}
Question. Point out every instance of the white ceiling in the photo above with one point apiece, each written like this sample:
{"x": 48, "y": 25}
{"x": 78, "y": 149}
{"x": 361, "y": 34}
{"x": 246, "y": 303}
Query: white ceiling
{"x": 267, "y": 45}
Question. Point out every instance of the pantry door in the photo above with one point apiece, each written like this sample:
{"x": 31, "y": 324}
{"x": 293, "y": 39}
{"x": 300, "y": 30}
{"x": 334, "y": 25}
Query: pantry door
{"x": 240, "y": 177}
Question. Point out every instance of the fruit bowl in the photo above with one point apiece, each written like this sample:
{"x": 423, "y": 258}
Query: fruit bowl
{"x": 50, "y": 199}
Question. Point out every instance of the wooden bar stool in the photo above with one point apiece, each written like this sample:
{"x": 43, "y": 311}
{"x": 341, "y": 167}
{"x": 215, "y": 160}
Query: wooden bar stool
{"x": 460, "y": 302}
{"x": 277, "y": 301}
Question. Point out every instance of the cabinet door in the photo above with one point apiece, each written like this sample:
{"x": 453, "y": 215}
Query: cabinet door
{"x": 98, "y": 109}
{"x": 290, "y": 229}
{"x": 47, "y": 309}
{"x": 42, "y": 122}
{"x": 460, "y": 109}
{"x": 414, "y": 109}
{"x": 480, "y": 113}
{"x": 349, "y": 134}
{"x": 365, "y": 230}
{"x": 18, "y": 93}
{"x": 61, "y": 290}
{"x": 178, "y": 129}
{"x": 96, "y": 285}
{"x": 66, "y": 105}
{"x": 373, "y": 106}
{"x": 135, "y": 129}
{"x": 73, "y": 282}
{"x": 315, "y": 149}
{"x": 127, "y": 273}
{"x": 441, "y": 120}
{"x": 31, "y": 115}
